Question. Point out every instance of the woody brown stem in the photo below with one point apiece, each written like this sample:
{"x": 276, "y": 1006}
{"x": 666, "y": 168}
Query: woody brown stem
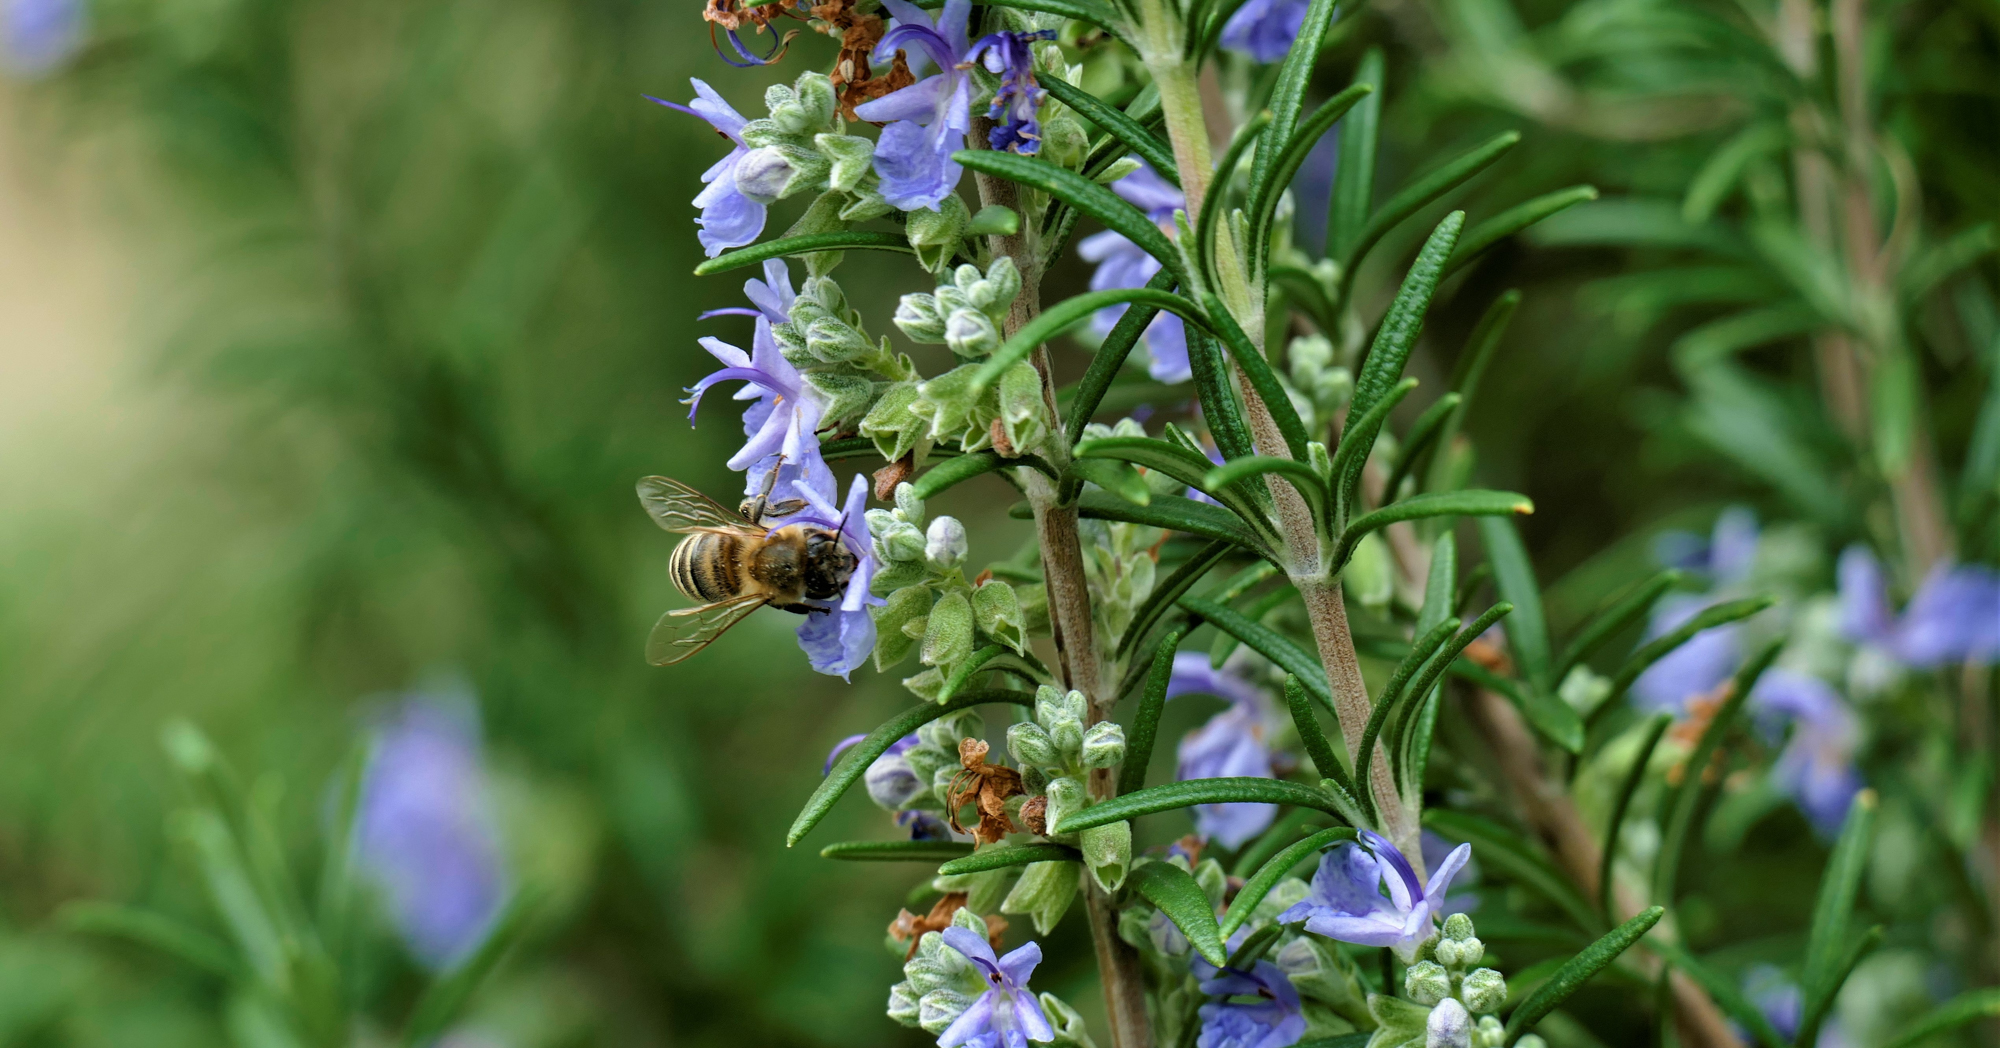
{"x": 1070, "y": 618}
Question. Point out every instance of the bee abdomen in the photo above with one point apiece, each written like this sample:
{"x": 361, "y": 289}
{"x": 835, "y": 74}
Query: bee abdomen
{"x": 704, "y": 567}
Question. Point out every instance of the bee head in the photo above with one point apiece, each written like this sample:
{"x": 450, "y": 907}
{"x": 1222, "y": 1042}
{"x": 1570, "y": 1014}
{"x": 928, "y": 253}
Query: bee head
{"x": 828, "y": 565}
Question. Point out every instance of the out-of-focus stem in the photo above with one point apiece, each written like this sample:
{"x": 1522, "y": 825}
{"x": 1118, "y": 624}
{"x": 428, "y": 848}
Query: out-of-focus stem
{"x": 1070, "y": 619}
{"x": 1547, "y": 806}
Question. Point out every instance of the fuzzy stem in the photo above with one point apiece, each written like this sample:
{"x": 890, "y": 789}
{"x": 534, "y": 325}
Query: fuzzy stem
{"x": 1070, "y": 619}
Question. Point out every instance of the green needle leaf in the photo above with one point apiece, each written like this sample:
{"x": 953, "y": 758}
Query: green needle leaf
{"x": 1514, "y": 577}
{"x": 1174, "y": 513}
{"x": 1427, "y": 188}
{"x": 1833, "y": 911}
{"x": 1325, "y": 761}
{"x": 1110, "y": 358}
{"x": 1633, "y": 777}
{"x": 1610, "y": 622}
{"x": 1267, "y": 642}
{"x": 897, "y": 851}
{"x": 1968, "y": 1007}
{"x": 1173, "y": 795}
{"x": 1057, "y": 319}
{"x": 1114, "y": 122}
{"x": 1081, "y": 193}
{"x": 1146, "y": 723}
{"x": 1571, "y": 976}
{"x": 1681, "y": 807}
{"x": 1512, "y": 221}
{"x": 857, "y": 759}
{"x": 1177, "y": 895}
{"x": 1436, "y": 504}
{"x": 1168, "y": 591}
{"x": 805, "y": 245}
{"x": 1013, "y": 855}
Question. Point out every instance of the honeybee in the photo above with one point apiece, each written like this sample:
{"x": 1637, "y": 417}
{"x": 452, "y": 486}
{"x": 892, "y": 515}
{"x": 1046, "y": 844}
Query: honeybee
{"x": 735, "y": 564}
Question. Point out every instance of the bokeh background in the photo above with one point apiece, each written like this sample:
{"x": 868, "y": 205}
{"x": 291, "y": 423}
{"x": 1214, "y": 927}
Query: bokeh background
{"x": 333, "y": 336}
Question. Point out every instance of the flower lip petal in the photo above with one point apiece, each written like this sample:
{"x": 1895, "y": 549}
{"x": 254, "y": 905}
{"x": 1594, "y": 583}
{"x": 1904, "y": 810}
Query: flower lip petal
{"x": 1387, "y": 852}
{"x": 839, "y": 748}
{"x": 977, "y": 950}
{"x": 972, "y": 1023}
{"x": 1020, "y": 963}
{"x": 1441, "y": 877}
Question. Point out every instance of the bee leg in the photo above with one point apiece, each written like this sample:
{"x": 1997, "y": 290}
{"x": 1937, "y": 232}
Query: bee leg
{"x": 796, "y": 609}
{"x": 785, "y": 508}
{"x": 756, "y": 507}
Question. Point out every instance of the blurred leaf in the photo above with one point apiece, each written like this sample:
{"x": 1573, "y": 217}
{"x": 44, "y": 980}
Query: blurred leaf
{"x": 1636, "y": 774}
{"x": 1633, "y": 222}
{"x": 1423, "y": 190}
{"x": 1611, "y": 621}
{"x": 1503, "y": 851}
{"x": 1514, "y": 576}
{"x": 1931, "y": 268}
{"x": 1968, "y": 1007}
{"x": 1723, "y": 992}
{"x": 1724, "y": 168}
{"x": 158, "y": 931}
{"x": 1660, "y": 647}
{"x": 896, "y": 851}
{"x": 1417, "y": 442}
{"x": 1709, "y": 343}
{"x": 445, "y": 1000}
{"x": 1683, "y": 803}
{"x": 1745, "y": 421}
{"x": 1354, "y": 180}
{"x": 1175, "y": 893}
{"x": 1512, "y": 221}
{"x": 1827, "y": 947}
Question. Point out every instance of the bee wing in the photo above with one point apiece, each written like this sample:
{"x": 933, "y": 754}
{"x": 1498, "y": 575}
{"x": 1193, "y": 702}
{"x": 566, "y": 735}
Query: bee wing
{"x": 679, "y": 634}
{"x": 677, "y": 507}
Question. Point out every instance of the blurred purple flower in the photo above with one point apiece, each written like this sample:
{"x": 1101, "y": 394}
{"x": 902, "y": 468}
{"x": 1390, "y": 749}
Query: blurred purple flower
{"x": 1346, "y": 901}
{"x": 1265, "y": 29}
{"x": 781, "y": 425}
{"x": 1436, "y": 851}
{"x": 1006, "y": 55}
{"x": 424, "y": 829}
{"x": 1275, "y": 1020}
{"x": 890, "y": 780}
{"x": 1954, "y": 617}
{"x": 1123, "y": 264}
{"x": 1706, "y": 660}
{"x": 837, "y": 638}
{"x": 929, "y": 826}
{"x": 1816, "y": 768}
{"x": 1232, "y": 743}
{"x": 1007, "y": 1015}
{"x": 1783, "y": 1006}
{"x": 728, "y": 218}
{"x": 37, "y": 37}
{"x": 842, "y": 747}
{"x": 927, "y": 120}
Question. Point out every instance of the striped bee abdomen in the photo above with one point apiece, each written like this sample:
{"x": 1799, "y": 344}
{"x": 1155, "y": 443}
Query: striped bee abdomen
{"x": 704, "y": 567}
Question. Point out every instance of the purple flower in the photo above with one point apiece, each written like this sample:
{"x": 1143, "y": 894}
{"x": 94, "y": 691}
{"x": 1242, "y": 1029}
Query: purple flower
{"x": 890, "y": 780}
{"x": 424, "y": 830}
{"x": 1696, "y": 667}
{"x": 781, "y": 424}
{"x": 1346, "y": 901}
{"x": 1784, "y": 1006}
{"x": 1954, "y": 617}
{"x": 927, "y": 120}
{"x": 38, "y": 36}
{"x": 1436, "y": 851}
{"x": 837, "y": 638}
{"x": 1230, "y": 744}
{"x": 1816, "y": 768}
{"x": 842, "y": 747}
{"x": 1264, "y": 29}
{"x": 1274, "y": 1019}
{"x": 1007, "y": 1014}
{"x": 1006, "y": 55}
{"x": 929, "y": 826}
{"x": 728, "y": 218}
{"x": 1123, "y": 264}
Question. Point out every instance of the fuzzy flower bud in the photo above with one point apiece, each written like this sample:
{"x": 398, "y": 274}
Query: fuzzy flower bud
{"x": 1458, "y": 926}
{"x": 908, "y": 504}
{"x": 1065, "y": 799}
{"x": 1107, "y": 850}
{"x": 900, "y": 542}
{"x": 1484, "y": 990}
{"x": 971, "y": 333}
{"x": 1103, "y": 745}
{"x": 944, "y": 542}
{"x": 1450, "y": 1026}
{"x": 1030, "y": 745}
{"x": 764, "y": 174}
{"x": 917, "y": 317}
{"x": 1427, "y": 983}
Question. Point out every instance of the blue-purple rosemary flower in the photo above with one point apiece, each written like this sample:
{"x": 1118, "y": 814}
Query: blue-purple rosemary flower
{"x": 1816, "y": 767}
{"x": 781, "y": 425}
{"x": 927, "y": 120}
{"x": 1783, "y": 1006}
{"x": 1259, "y": 1008}
{"x": 728, "y": 217}
{"x": 38, "y": 36}
{"x": 1954, "y": 616}
{"x": 838, "y": 637}
{"x": 1007, "y": 1015}
{"x": 1264, "y": 30}
{"x": 424, "y": 829}
{"x": 1347, "y": 901}
{"x": 1019, "y": 98}
{"x": 1232, "y": 743}
{"x": 1124, "y": 264}
{"x": 1704, "y": 662}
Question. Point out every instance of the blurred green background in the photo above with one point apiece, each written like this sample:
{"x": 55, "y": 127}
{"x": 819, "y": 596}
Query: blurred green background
{"x": 332, "y": 339}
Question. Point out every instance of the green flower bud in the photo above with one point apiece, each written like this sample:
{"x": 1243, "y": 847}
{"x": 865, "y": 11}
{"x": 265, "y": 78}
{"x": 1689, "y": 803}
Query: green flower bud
{"x": 935, "y": 234}
{"x": 1368, "y": 577}
{"x": 1064, "y": 140}
{"x": 1531, "y": 1040}
{"x": 847, "y": 397}
{"x": 1066, "y": 798}
{"x": 997, "y": 611}
{"x": 861, "y": 205}
{"x": 900, "y": 542}
{"x": 994, "y": 220}
{"x": 1450, "y": 953}
{"x": 971, "y": 333}
{"x": 994, "y": 292}
{"x": 1583, "y": 689}
{"x": 905, "y": 605}
{"x": 895, "y": 575}
{"x": 811, "y": 104}
{"x": 917, "y": 317}
{"x": 1107, "y": 851}
{"x": 893, "y": 423}
{"x": 927, "y": 685}
{"x": 851, "y": 157}
{"x": 1118, "y": 169}
{"x": 1214, "y": 883}
{"x": 763, "y": 132}
{"x": 1023, "y": 412}
{"x": 1068, "y": 735}
{"x": 1052, "y": 704}
{"x": 1044, "y": 891}
{"x": 1458, "y": 926}
{"x": 1448, "y": 1026}
{"x": 774, "y": 172}
{"x": 1067, "y": 1021}
{"x": 948, "y": 640}
{"x": 1103, "y": 745}
{"x": 1031, "y": 746}
{"x": 940, "y": 1008}
{"x": 908, "y": 504}
{"x": 951, "y": 298}
{"x": 903, "y": 1004}
{"x": 1489, "y": 1033}
{"x": 1427, "y": 983}
{"x": 835, "y": 341}
{"x": 1484, "y": 990}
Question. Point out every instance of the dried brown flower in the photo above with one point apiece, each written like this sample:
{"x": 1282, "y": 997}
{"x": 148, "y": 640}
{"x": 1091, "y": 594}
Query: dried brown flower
{"x": 1489, "y": 655}
{"x": 910, "y": 928}
{"x": 1035, "y": 815}
{"x": 891, "y": 475}
{"x": 986, "y": 786}
{"x": 1701, "y": 711}
{"x": 853, "y": 77}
